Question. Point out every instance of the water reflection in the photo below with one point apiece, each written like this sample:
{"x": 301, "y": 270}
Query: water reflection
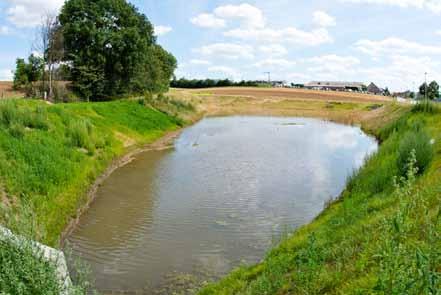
{"x": 219, "y": 197}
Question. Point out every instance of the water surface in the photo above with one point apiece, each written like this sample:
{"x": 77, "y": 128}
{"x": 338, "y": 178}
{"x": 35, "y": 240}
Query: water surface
{"x": 227, "y": 190}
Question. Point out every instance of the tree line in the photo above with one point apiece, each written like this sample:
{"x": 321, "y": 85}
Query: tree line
{"x": 210, "y": 83}
{"x": 105, "y": 48}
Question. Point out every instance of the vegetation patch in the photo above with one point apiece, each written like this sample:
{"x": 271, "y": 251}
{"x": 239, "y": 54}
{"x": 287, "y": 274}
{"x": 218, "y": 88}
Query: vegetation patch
{"x": 24, "y": 271}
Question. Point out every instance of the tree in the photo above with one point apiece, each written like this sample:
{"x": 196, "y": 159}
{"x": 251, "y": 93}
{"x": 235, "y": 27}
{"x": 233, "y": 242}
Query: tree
{"x": 28, "y": 73}
{"x": 35, "y": 68}
{"x": 20, "y": 74}
{"x": 112, "y": 50}
{"x": 47, "y": 44}
{"x": 433, "y": 91}
{"x": 386, "y": 92}
{"x": 430, "y": 91}
{"x": 423, "y": 89}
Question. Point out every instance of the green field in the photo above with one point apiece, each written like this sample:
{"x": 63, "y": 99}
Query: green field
{"x": 382, "y": 236}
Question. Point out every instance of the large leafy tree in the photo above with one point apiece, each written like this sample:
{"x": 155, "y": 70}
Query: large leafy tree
{"x": 112, "y": 49}
{"x": 430, "y": 91}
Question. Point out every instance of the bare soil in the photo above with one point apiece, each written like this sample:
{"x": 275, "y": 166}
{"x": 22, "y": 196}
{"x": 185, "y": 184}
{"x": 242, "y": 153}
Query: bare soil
{"x": 6, "y": 90}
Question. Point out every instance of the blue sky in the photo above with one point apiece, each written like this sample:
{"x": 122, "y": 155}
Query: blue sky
{"x": 389, "y": 42}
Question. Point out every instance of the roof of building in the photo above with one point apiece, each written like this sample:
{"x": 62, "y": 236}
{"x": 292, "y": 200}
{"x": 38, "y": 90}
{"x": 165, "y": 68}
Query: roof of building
{"x": 372, "y": 87}
{"x": 334, "y": 84}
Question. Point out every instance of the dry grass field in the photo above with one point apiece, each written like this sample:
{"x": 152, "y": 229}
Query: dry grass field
{"x": 6, "y": 90}
{"x": 344, "y": 107}
{"x": 298, "y": 94}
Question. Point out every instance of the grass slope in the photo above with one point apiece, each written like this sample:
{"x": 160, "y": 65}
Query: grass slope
{"x": 51, "y": 154}
{"x": 377, "y": 238}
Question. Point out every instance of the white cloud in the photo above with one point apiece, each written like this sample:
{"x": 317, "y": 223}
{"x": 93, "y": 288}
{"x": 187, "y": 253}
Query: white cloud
{"x": 438, "y": 32}
{"x": 322, "y": 19}
{"x": 275, "y": 63}
{"x": 29, "y": 13}
{"x": 431, "y": 5}
{"x": 332, "y": 66}
{"x": 289, "y": 35}
{"x": 249, "y": 15}
{"x": 200, "y": 62}
{"x": 227, "y": 50}
{"x": 395, "y": 46}
{"x": 253, "y": 27}
{"x": 334, "y": 59}
{"x": 273, "y": 50}
{"x": 6, "y": 75}
{"x": 162, "y": 30}
{"x": 207, "y": 20}
{"x": 4, "y": 30}
{"x": 224, "y": 71}
{"x": 404, "y": 72}
{"x": 302, "y": 77}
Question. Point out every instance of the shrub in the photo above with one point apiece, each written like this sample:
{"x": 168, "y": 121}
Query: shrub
{"x": 418, "y": 141}
{"x": 23, "y": 271}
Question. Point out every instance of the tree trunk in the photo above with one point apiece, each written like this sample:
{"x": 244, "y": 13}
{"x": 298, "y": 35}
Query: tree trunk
{"x": 50, "y": 81}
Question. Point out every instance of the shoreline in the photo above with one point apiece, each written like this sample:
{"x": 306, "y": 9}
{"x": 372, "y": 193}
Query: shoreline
{"x": 164, "y": 142}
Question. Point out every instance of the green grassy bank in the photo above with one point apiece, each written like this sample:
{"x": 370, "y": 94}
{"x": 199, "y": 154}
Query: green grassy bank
{"x": 382, "y": 236}
{"x": 51, "y": 154}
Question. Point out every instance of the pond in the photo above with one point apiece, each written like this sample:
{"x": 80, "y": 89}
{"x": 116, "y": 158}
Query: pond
{"x": 226, "y": 193}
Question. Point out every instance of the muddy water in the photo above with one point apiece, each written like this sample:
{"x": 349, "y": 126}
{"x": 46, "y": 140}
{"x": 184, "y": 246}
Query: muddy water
{"x": 220, "y": 198}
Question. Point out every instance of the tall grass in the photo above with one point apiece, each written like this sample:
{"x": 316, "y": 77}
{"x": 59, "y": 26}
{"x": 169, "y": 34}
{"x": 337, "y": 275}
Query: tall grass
{"x": 426, "y": 106}
{"x": 418, "y": 142}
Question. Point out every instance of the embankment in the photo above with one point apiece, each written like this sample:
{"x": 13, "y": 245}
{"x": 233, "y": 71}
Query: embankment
{"x": 50, "y": 155}
{"x": 382, "y": 236}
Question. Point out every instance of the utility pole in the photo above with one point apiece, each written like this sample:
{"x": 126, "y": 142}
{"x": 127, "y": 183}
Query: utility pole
{"x": 269, "y": 77}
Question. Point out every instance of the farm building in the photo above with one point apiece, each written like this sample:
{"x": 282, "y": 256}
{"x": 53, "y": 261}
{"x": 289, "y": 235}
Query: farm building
{"x": 336, "y": 86}
{"x": 374, "y": 89}
{"x": 278, "y": 84}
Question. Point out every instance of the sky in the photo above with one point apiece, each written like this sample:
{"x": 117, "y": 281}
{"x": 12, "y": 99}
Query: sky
{"x": 389, "y": 42}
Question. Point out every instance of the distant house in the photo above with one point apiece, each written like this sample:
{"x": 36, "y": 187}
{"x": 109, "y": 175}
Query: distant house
{"x": 336, "y": 86}
{"x": 405, "y": 94}
{"x": 374, "y": 89}
{"x": 278, "y": 84}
